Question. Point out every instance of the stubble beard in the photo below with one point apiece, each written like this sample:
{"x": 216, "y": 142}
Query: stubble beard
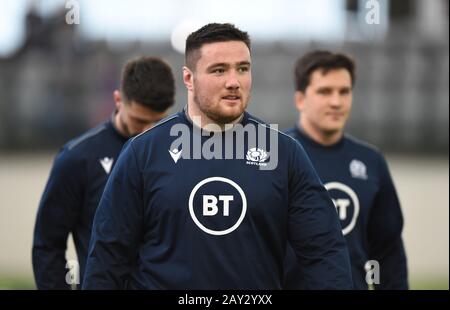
{"x": 216, "y": 116}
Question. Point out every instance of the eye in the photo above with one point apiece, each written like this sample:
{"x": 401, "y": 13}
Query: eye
{"x": 218, "y": 71}
{"x": 324, "y": 91}
{"x": 345, "y": 91}
{"x": 243, "y": 69}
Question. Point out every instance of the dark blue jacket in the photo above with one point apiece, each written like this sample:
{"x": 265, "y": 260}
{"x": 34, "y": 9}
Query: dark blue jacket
{"x": 359, "y": 182}
{"x": 69, "y": 201}
{"x": 168, "y": 222}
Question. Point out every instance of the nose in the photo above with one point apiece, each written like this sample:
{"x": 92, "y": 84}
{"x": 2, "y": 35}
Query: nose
{"x": 335, "y": 100}
{"x": 232, "y": 81}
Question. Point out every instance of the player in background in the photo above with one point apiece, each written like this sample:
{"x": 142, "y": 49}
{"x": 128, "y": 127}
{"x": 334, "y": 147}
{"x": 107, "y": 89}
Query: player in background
{"x": 355, "y": 173}
{"x": 81, "y": 169}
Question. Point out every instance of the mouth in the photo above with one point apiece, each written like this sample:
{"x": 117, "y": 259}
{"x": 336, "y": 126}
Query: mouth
{"x": 232, "y": 98}
{"x": 335, "y": 115}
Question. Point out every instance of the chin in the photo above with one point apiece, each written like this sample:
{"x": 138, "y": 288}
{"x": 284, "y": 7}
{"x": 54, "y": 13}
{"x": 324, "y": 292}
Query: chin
{"x": 231, "y": 112}
{"x": 331, "y": 130}
{"x": 228, "y": 118}
{"x": 334, "y": 126}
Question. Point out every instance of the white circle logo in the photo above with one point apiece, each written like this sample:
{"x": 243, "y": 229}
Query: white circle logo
{"x": 210, "y": 206}
{"x": 344, "y": 205}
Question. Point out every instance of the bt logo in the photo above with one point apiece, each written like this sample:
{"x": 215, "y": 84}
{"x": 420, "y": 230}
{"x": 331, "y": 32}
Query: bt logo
{"x": 341, "y": 207}
{"x": 210, "y": 204}
{"x": 217, "y": 205}
{"x": 347, "y": 204}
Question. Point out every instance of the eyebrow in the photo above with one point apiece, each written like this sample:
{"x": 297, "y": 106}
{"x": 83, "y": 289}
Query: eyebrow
{"x": 227, "y": 65}
{"x": 331, "y": 87}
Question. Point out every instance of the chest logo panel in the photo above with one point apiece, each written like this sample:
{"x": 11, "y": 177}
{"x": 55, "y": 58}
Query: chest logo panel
{"x": 347, "y": 204}
{"x": 256, "y": 156}
{"x": 217, "y": 205}
{"x": 175, "y": 154}
{"x": 106, "y": 163}
{"x": 358, "y": 169}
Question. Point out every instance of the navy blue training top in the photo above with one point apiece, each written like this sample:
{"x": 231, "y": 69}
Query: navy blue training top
{"x": 69, "y": 201}
{"x": 169, "y": 222}
{"x": 358, "y": 180}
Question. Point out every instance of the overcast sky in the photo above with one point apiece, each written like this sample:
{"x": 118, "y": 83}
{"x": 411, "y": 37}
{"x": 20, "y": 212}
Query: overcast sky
{"x": 164, "y": 19}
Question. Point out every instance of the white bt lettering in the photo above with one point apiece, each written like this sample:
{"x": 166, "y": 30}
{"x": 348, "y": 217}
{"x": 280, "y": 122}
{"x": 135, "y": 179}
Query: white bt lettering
{"x": 210, "y": 207}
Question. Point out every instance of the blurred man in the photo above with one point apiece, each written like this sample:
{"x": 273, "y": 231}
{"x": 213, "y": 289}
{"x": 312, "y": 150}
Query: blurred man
{"x": 81, "y": 169}
{"x": 170, "y": 219}
{"x": 355, "y": 174}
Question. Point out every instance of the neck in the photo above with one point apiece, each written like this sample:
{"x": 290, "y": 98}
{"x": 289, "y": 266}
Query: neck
{"x": 320, "y": 136}
{"x": 201, "y": 120}
{"x": 118, "y": 124}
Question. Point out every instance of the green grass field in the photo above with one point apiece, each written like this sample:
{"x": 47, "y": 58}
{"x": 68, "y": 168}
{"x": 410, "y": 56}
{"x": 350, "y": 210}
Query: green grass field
{"x": 16, "y": 283}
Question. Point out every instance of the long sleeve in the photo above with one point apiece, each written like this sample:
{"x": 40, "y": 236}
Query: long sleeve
{"x": 384, "y": 234}
{"x": 117, "y": 227}
{"x": 58, "y": 212}
{"x": 314, "y": 230}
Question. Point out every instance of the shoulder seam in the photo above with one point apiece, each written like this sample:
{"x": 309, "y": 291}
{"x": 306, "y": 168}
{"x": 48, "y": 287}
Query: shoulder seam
{"x": 85, "y": 137}
{"x": 365, "y": 144}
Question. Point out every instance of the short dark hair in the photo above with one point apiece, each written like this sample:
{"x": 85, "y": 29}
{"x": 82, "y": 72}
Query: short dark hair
{"x": 212, "y": 33}
{"x": 323, "y": 60}
{"x": 148, "y": 81}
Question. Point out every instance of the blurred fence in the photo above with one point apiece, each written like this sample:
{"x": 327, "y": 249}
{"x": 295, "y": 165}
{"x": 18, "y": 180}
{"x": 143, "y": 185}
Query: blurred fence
{"x": 58, "y": 85}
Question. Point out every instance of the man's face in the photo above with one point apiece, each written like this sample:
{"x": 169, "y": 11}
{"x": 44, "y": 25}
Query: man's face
{"x": 326, "y": 103}
{"x": 133, "y": 118}
{"x": 221, "y": 81}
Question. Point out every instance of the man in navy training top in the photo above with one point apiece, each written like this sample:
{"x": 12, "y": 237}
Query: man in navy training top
{"x": 81, "y": 169}
{"x": 174, "y": 217}
{"x": 355, "y": 174}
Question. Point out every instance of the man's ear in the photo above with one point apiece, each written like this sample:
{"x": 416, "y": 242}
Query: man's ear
{"x": 299, "y": 99}
{"x": 117, "y": 99}
{"x": 188, "y": 78}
